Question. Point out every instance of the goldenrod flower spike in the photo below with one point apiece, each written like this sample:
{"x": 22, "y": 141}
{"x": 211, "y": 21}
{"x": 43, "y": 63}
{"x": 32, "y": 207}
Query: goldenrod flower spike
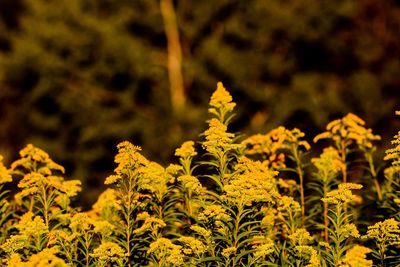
{"x": 221, "y": 103}
{"x": 107, "y": 253}
{"x": 342, "y": 195}
{"x": 221, "y": 99}
{"x": 186, "y": 150}
{"x": 350, "y": 129}
{"x": 328, "y": 164}
{"x": 217, "y": 138}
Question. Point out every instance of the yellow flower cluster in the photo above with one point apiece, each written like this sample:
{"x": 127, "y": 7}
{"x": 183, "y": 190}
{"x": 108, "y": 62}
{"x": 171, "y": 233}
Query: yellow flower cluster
{"x": 251, "y": 182}
{"x": 186, "y": 150}
{"x": 263, "y": 246}
{"x": 39, "y": 176}
{"x": 154, "y": 178}
{"x": 45, "y": 258}
{"x": 201, "y": 231}
{"x": 328, "y": 164}
{"x": 167, "y": 252}
{"x": 191, "y": 246}
{"x": 61, "y": 236}
{"x": 228, "y": 252}
{"x": 269, "y": 216}
{"x": 342, "y": 195}
{"x": 5, "y": 175}
{"x": 387, "y": 232}
{"x": 286, "y": 204}
{"x": 213, "y": 212}
{"x": 350, "y": 129}
{"x": 357, "y": 257}
{"x": 108, "y": 252}
{"x": 14, "y": 243}
{"x": 300, "y": 237}
{"x": 217, "y": 138}
{"x": 221, "y": 102}
{"x": 151, "y": 224}
{"x": 35, "y": 159}
{"x": 81, "y": 222}
{"x": 349, "y": 229}
{"x": 31, "y": 227}
{"x": 128, "y": 158}
{"x": 140, "y": 173}
{"x": 393, "y": 154}
{"x": 271, "y": 144}
{"x": 192, "y": 184}
{"x": 314, "y": 259}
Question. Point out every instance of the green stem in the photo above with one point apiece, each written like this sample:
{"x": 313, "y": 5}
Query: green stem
{"x": 45, "y": 207}
{"x": 374, "y": 175}
{"x": 299, "y": 171}
{"x": 237, "y": 222}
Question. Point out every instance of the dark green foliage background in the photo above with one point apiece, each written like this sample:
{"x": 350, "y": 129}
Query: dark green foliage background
{"x": 79, "y": 76}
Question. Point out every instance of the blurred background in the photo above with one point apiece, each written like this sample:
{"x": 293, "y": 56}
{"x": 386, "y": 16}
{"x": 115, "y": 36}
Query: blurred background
{"x": 79, "y": 76}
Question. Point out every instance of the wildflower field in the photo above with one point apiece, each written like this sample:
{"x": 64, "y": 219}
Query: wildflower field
{"x": 269, "y": 199}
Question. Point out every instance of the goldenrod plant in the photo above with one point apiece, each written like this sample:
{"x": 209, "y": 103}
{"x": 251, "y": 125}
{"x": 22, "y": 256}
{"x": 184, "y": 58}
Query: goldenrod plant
{"x": 227, "y": 200}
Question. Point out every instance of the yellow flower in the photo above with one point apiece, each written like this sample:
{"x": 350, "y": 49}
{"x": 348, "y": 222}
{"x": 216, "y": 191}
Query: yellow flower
{"x": 357, "y": 257}
{"x": 342, "y": 195}
{"x": 26, "y": 192}
{"x": 31, "y": 228}
{"x": 329, "y": 163}
{"x": 14, "y": 243}
{"x": 14, "y": 260}
{"x": 5, "y": 175}
{"x": 108, "y": 252}
{"x": 150, "y": 223}
{"x": 45, "y": 258}
{"x": 128, "y": 158}
{"x": 60, "y": 236}
{"x": 272, "y": 144}
{"x": 172, "y": 170}
{"x": 221, "y": 102}
{"x": 192, "y": 246}
{"x": 348, "y": 230}
{"x": 213, "y": 212}
{"x": 191, "y": 183}
{"x": 227, "y": 252}
{"x": 154, "y": 178}
{"x": 112, "y": 179}
{"x": 268, "y": 221}
{"x": 71, "y": 188}
{"x": 31, "y": 154}
{"x": 251, "y": 182}
{"x": 263, "y": 246}
{"x": 300, "y": 237}
{"x": 217, "y": 138}
{"x": 186, "y": 150}
{"x": 201, "y": 231}
{"x": 314, "y": 259}
{"x": 103, "y": 227}
{"x": 163, "y": 248}
{"x": 350, "y": 129}
{"x": 386, "y": 232}
{"x": 81, "y": 222}
{"x": 287, "y": 203}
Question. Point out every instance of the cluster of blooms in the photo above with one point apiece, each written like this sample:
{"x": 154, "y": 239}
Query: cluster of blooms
{"x": 272, "y": 144}
{"x": 251, "y": 182}
{"x": 349, "y": 129}
{"x": 156, "y": 216}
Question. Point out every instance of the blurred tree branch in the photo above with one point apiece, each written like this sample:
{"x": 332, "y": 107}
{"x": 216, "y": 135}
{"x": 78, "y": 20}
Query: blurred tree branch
{"x": 174, "y": 56}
